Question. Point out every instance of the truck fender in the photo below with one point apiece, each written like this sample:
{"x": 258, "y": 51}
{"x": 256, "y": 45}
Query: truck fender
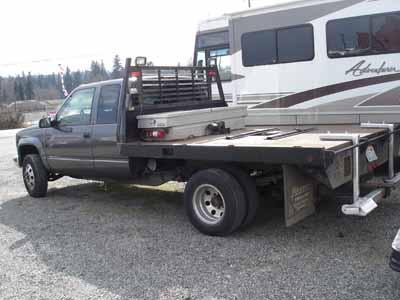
{"x": 32, "y": 142}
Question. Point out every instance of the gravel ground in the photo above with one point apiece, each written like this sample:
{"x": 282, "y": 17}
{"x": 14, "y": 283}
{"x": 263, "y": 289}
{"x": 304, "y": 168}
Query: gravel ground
{"x": 87, "y": 241}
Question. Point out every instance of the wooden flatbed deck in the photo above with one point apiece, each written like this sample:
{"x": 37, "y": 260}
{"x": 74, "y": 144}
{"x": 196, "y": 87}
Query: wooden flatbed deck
{"x": 300, "y": 149}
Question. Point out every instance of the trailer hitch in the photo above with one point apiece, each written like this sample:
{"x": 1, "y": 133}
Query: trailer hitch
{"x": 362, "y": 206}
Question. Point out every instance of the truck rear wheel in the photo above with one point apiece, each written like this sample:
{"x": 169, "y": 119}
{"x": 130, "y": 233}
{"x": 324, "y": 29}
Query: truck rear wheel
{"x": 215, "y": 202}
{"x": 250, "y": 191}
{"x": 35, "y": 176}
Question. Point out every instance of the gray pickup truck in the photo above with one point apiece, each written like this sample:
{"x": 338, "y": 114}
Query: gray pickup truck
{"x": 83, "y": 139}
{"x": 80, "y": 142}
{"x": 159, "y": 124}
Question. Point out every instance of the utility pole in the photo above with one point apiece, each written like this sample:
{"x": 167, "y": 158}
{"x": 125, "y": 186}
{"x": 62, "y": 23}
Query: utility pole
{"x": 249, "y": 1}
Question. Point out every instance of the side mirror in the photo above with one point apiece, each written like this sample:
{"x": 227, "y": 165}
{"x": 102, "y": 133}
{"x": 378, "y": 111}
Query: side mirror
{"x": 140, "y": 61}
{"x": 45, "y": 123}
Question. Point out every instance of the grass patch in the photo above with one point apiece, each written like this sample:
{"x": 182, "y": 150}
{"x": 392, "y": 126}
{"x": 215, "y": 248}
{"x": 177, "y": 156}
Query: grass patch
{"x": 11, "y": 120}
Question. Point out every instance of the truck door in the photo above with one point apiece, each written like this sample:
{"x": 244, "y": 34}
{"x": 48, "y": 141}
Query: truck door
{"x": 107, "y": 160}
{"x": 68, "y": 143}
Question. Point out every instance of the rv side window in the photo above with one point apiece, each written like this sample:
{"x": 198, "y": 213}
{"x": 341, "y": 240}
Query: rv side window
{"x": 259, "y": 48}
{"x": 375, "y": 34}
{"x": 348, "y": 37}
{"x": 386, "y": 33}
{"x": 277, "y": 46}
{"x": 295, "y": 44}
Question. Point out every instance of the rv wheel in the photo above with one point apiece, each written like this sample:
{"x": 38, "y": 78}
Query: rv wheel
{"x": 215, "y": 202}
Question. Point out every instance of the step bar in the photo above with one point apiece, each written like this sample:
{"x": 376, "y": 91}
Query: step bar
{"x": 362, "y": 206}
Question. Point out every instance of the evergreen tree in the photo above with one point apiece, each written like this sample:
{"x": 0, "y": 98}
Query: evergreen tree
{"x": 103, "y": 71}
{"x": 117, "y": 68}
{"x": 76, "y": 79}
{"x": 95, "y": 71}
{"x": 21, "y": 94}
{"x": 4, "y": 95}
{"x": 48, "y": 86}
{"x": 29, "y": 93}
{"x": 16, "y": 89}
{"x": 40, "y": 81}
{"x": 19, "y": 89}
{"x": 68, "y": 82}
{"x": 1, "y": 90}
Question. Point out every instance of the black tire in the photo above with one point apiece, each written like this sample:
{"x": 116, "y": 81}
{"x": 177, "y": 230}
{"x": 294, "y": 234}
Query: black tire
{"x": 35, "y": 176}
{"x": 250, "y": 191}
{"x": 232, "y": 195}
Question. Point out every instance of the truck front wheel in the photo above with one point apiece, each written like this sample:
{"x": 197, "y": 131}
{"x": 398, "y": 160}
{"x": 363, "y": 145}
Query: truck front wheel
{"x": 215, "y": 202}
{"x": 35, "y": 176}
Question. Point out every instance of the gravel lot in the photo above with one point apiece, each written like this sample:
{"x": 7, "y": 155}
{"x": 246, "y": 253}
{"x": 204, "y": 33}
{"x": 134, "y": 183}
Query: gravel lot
{"x": 87, "y": 241}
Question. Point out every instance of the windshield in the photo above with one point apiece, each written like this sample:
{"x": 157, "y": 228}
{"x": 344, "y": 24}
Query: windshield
{"x": 215, "y": 45}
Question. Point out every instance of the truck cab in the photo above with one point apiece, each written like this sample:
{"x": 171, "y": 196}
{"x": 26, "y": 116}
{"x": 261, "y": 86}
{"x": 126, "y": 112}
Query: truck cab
{"x": 81, "y": 140}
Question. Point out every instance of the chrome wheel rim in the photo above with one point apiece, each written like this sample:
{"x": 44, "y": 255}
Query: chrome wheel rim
{"x": 29, "y": 177}
{"x": 209, "y": 204}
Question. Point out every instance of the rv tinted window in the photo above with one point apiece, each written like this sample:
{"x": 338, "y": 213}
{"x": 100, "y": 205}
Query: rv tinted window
{"x": 348, "y": 37}
{"x": 386, "y": 33}
{"x": 259, "y": 48}
{"x": 213, "y": 39}
{"x": 295, "y": 44}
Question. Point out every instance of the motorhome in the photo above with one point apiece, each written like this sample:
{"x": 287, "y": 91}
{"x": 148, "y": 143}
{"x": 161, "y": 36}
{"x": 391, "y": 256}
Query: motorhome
{"x": 309, "y": 62}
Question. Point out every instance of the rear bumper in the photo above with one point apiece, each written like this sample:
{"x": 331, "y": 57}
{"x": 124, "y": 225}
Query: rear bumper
{"x": 395, "y": 261}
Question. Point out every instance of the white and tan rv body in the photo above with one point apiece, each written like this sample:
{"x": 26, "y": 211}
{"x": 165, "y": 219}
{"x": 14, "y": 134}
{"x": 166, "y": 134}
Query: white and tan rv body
{"x": 310, "y": 62}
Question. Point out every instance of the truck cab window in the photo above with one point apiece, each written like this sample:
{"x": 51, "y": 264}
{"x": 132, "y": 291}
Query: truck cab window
{"x": 108, "y": 104}
{"x": 77, "y": 110}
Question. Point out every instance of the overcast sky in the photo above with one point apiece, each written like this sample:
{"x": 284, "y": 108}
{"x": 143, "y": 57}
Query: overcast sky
{"x": 38, "y": 35}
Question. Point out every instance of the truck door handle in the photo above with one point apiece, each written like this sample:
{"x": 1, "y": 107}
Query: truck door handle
{"x": 86, "y": 135}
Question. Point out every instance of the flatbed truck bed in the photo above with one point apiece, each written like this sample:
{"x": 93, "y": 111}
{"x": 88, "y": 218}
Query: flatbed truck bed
{"x": 300, "y": 149}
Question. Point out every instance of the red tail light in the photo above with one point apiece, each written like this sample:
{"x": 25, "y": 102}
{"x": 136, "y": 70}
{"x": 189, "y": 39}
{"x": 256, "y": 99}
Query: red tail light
{"x": 136, "y": 74}
{"x": 212, "y": 73}
{"x": 155, "y": 134}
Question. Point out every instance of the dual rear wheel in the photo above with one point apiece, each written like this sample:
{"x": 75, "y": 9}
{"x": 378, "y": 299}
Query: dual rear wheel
{"x": 220, "y": 201}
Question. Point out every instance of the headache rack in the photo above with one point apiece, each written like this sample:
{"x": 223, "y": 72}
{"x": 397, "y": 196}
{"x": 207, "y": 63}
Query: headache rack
{"x": 154, "y": 89}
{"x": 174, "y": 85}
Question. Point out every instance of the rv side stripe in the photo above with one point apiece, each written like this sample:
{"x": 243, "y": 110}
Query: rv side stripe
{"x": 305, "y": 96}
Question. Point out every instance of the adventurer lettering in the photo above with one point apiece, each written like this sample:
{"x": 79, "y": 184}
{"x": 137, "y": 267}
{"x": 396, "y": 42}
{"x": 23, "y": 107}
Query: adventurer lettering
{"x": 362, "y": 68}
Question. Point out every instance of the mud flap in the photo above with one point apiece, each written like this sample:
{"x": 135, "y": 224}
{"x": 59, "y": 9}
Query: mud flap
{"x": 300, "y": 195}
